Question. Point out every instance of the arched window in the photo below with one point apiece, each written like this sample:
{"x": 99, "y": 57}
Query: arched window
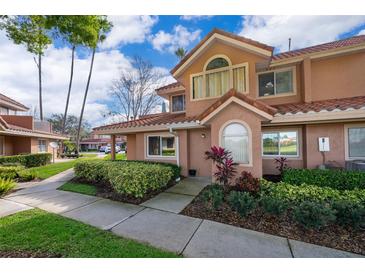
{"x": 235, "y": 138}
{"x": 217, "y": 63}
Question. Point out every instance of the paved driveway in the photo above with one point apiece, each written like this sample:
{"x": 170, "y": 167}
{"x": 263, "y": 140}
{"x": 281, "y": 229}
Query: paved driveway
{"x": 156, "y": 222}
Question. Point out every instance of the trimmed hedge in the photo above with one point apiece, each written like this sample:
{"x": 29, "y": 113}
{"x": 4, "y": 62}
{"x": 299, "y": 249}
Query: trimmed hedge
{"x": 28, "y": 160}
{"x": 6, "y": 185}
{"x": 295, "y": 195}
{"x": 10, "y": 172}
{"x": 337, "y": 179}
{"x": 134, "y": 178}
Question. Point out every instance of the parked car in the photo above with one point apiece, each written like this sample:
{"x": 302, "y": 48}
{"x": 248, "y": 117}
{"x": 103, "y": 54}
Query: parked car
{"x": 108, "y": 149}
{"x": 102, "y": 149}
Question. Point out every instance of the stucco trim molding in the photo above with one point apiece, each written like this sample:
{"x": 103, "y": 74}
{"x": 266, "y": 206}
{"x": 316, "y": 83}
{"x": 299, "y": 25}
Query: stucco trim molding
{"x": 249, "y": 131}
{"x": 241, "y": 103}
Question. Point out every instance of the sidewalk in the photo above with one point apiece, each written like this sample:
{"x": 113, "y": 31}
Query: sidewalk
{"x": 156, "y": 222}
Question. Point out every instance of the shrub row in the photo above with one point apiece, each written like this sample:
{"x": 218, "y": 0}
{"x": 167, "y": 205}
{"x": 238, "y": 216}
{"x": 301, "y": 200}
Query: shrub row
{"x": 337, "y": 179}
{"x": 16, "y": 173}
{"x": 295, "y": 194}
{"x": 27, "y": 160}
{"x": 134, "y": 178}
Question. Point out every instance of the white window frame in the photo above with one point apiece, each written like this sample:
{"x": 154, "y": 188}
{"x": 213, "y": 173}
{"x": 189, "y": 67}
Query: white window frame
{"x": 249, "y": 135}
{"x": 283, "y": 94}
{"x": 45, "y": 141}
{"x": 147, "y": 155}
{"x": 205, "y": 72}
{"x": 184, "y": 103}
{"x": 278, "y": 132}
{"x": 346, "y": 131}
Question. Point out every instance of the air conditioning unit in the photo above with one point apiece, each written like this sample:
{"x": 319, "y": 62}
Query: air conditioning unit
{"x": 355, "y": 165}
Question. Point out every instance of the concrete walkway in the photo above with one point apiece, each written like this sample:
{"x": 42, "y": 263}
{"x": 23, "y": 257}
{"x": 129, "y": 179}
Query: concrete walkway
{"x": 156, "y": 222}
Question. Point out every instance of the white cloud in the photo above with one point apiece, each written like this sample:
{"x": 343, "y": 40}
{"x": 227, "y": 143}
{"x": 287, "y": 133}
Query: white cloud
{"x": 179, "y": 37}
{"x": 19, "y": 79}
{"x": 195, "y": 17}
{"x": 361, "y": 32}
{"x": 303, "y": 30}
{"x": 129, "y": 29}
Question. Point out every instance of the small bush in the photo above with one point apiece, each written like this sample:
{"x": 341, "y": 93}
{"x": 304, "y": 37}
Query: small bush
{"x": 6, "y": 185}
{"x": 247, "y": 182}
{"x": 10, "y": 172}
{"x": 273, "y": 206}
{"x": 313, "y": 214}
{"x": 28, "y": 160}
{"x": 26, "y": 175}
{"x": 349, "y": 214}
{"x": 214, "y": 196}
{"x": 242, "y": 202}
{"x": 135, "y": 178}
{"x": 337, "y": 179}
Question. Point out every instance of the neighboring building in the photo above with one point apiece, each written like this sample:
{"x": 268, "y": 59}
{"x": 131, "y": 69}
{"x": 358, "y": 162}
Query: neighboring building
{"x": 21, "y": 133}
{"x": 236, "y": 93}
{"x": 95, "y": 142}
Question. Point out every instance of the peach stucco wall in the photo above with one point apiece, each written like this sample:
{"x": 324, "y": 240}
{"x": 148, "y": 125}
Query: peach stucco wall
{"x": 19, "y": 120}
{"x": 236, "y": 112}
{"x": 338, "y": 77}
{"x": 335, "y": 132}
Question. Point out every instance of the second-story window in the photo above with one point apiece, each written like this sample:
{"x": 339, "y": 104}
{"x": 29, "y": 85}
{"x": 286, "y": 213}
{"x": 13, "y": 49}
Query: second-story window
{"x": 177, "y": 103}
{"x": 218, "y": 77}
{"x": 276, "y": 82}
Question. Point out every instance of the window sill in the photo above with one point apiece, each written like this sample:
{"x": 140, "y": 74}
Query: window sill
{"x": 286, "y": 94}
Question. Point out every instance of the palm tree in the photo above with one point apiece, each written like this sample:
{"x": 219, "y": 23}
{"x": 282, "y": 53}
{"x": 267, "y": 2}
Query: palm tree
{"x": 180, "y": 52}
{"x": 75, "y": 30}
{"x": 102, "y": 25}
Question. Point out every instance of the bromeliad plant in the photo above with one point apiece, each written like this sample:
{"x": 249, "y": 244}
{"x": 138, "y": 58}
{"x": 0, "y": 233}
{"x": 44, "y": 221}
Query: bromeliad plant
{"x": 225, "y": 166}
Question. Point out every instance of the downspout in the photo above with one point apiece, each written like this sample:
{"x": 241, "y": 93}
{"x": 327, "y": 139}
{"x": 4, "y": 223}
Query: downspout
{"x": 177, "y": 145}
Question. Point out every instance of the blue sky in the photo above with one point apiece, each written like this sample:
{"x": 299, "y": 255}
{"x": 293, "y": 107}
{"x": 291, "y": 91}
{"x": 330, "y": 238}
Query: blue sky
{"x": 154, "y": 38}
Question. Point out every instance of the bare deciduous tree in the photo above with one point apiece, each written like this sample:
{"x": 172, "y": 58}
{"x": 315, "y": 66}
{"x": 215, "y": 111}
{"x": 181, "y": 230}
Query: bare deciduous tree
{"x": 134, "y": 91}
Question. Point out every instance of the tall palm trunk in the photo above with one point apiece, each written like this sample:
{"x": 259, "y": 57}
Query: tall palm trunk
{"x": 83, "y": 104}
{"x": 40, "y": 85}
{"x": 69, "y": 90}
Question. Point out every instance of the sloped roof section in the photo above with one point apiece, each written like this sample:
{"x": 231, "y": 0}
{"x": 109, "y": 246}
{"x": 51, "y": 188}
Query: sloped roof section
{"x": 233, "y": 93}
{"x": 148, "y": 120}
{"x": 175, "y": 85}
{"x": 226, "y": 34}
{"x": 16, "y": 104}
{"x": 352, "y": 41}
{"x": 342, "y": 104}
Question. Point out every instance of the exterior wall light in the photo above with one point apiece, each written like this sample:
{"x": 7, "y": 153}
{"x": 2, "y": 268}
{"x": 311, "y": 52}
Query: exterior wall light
{"x": 203, "y": 135}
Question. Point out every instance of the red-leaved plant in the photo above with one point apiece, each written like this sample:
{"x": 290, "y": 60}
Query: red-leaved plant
{"x": 247, "y": 182}
{"x": 225, "y": 166}
{"x": 281, "y": 164}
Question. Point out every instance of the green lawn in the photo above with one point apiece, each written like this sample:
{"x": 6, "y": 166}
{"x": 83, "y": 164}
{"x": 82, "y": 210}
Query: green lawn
{"x": 88, "y": 155}
{"x": 44, "y": 172}
{"x": 37, "y": 231}
{"x": 79, "y": 188}
{"x": 118, "y": 156}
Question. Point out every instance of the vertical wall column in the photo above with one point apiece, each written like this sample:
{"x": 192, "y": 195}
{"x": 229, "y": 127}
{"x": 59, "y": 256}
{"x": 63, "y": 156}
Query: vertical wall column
{"x": 307, "y": 75}
{"x": 112, "y": 149}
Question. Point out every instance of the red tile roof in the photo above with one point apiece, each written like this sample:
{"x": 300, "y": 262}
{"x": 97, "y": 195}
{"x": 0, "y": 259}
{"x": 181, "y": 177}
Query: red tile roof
{"x": 172, "y": 85}
{"x": 233, "y": 93}
{"x": 150, "y": 120}
{"x": 322, "y": 47}
{"x": 327, "y": 105}
{"x": 227, "y": 34}
{"x": 12, "y": 101}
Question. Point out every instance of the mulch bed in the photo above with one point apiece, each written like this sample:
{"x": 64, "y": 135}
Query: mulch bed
{"x": 27, "y": 254}
{"x": 332, "y": 236}
{"x": 107, "y": 192}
